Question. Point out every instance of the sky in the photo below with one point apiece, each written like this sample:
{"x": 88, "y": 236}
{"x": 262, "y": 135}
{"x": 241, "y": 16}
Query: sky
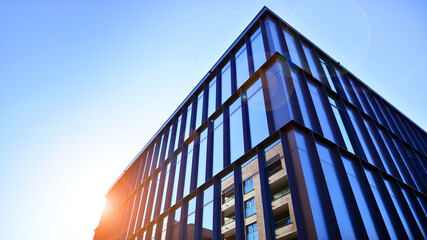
{"x": 85, "y": 84}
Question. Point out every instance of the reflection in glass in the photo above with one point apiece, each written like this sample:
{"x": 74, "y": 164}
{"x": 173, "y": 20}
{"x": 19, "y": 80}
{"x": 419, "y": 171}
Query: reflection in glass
{"x": 257, "y": 114}
{"x": 311, "y": 59}
{"x": 258, "y": 51}
{"x": 252, "y": 232}
{"x": 176, "y": 179}
{"x": 218, "y": 148}
{"x": 165, "y": 188}
{"x": 188, "y": 167}
{"x": 340, "y": 120}
{"x": 188, "y": 121}
{"x": 212, "y": 97}
{"x": 236, "y": 131}
{"x": 201, "y": 175}
{"x": 199, "y": 114}
{"x": 242, "y": 68}
{"x": 226, "y": 82}
{"x": 178, "y": 131}
{"x": 327, "y": 74}
{"x": 292, "y": 47}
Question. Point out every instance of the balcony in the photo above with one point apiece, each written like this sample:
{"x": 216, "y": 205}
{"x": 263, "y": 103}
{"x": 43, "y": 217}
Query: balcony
{"x": 280, "y": 194}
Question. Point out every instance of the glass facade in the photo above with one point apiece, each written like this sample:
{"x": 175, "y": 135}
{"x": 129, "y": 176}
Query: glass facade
{"x": 278, "y": 141}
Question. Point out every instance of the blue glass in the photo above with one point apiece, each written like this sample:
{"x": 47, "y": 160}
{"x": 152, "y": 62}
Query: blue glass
{"x": 178, "y": 132}
{"x": 188, "y": 121}
{"x": 250, "y": 207}
{"x": 165, "y": 188}
{"x": 311, "y": 59}
{"x": 155, "y": 199}
{"x": 191, "y": 206}
{"x": 248, "y": 185}
{"x": 252, "y": 232}
{"x": 218, "y": 148}
{"x": 237, "y": 147}
{"x": 168, "y": 142}
{"x": 207, "y": 221}
{"x": 257, "y": 113}
{"x": 199, "y": 114}
{"x": 323, "y": 116}
{"x": 201, "y": 175}
{"x": 258, "y": 50}
{"x": 293, "y": 48}
{"x": 338, "y": 116}
{"x": 301, "y": 99}
{"x": 327, "y": 74}
{"x": 242, "y": 67}
{"x": 416, "y": 210}
{"x": 225, "y": 82}
{"x": 188, "y": 168}
{"x": 336, "y": 191}
{"x": 212, "y": 97}
{"x": 176, "y": 180}
{"x": 145, "y": 213}
{"x": 275, "y": 41}
{"x": 208, "y": 195}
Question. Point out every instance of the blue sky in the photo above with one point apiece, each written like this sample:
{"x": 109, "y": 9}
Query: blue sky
{"x": 85, "y": 84}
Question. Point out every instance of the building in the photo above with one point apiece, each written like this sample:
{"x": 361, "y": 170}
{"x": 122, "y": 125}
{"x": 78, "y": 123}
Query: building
{"x": 277, "y": 141}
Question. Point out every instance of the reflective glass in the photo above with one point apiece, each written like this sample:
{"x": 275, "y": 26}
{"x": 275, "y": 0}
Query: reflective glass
{"x": 302, "y": 98}
{"x": 176, "y": 180}
{"x": 257, "y": 113}
{"x": 165, "y": 188}
{"x": 327, "y": 74}
{"x": 226, "y": 82}
{"x": 207, "y": 222}
{"x": 258, "y": 50}
{"x": 242, "y": 68}
{"x": 208, "y": 195}
{"x": 248, "y": 185}
{"x": 212, "y": 97}
{"x": 293, "y": 48}
{"x": 250, "y": 207}
{"x": 188, "y": 121}
{"x": 237, "y": 148}
{"x": 156, "y": 195}
{"x": 188, "y": 168}
{"x": 218, "y": 148}
{"x": 178, "y": 132}
{"x": 311, "y": 59}
{"x": 252, "y": 232}
{"x": 201, "y": 176}
{"x": 275, "y": 41}
{"x": 199, "y": 114}
{"x": 338, "y": 116}
{"x": 168, "y": 142}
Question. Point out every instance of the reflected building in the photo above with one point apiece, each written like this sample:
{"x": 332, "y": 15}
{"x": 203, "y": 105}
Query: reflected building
{"x": 277, "y": 141}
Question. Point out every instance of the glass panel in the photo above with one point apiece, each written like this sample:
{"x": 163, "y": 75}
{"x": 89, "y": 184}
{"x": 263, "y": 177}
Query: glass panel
{"x": 226, "y": 82}
{"x": 327, "y": 74}
{"x": 207, "y": 222}
{"x": 275, "y": 41}
{"x": 248, "y": 185}
{"x": 340, "y": 120}
{"x": 168, "y": 142}
{"x": 257, "y": 113}
{"x": 242, "y": 68}
{"x": 178, "y": 132}
{"x": 176, "y": 180}
{"x": 155, "y": 200}
{"x": 188, "y": 121}
{"x": 188, "y": 168}
{"x": 199, "y": 114}
{"x": 236, "y": 131}
{"x": 208, "y": 195}
{"x": 250, "y": 207}
{"x": 252, "y": 232}
{"x": 311, "y": 59}
{"x": 201, "y": 176}
{"x": 212, "y": 97}
{"x": 258, "y": 51}
{"x": 302, "y": 98}
{"x": 218, "y": 148}
{"x": 165, "y": 188}
{"x": 293, "y": 48}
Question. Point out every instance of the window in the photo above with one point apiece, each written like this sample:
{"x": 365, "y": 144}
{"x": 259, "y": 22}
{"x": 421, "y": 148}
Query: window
{"x": 252, "y": 232}
{"x": 250, "y": 207}
{"x": 178, "y": 132}
{"x": 340, "y": 120}
{"x": 258, "y": 51}
{"x": 165, "y": 189}
{"x": 248, "y": 185}
{"x": 218, "y": 148}
{"x": 188, "y": 121}
{"x": 176, "y": 180}
{"x": 242, "y": 68}
{"x": 188, "y": 167}
{"x": 236, "y": 131}
{"x": 201, "y": 175}
{"x": 257, "y": 113}
{"x": 327, "y": 74}
{"x": 212, "y": 97}
{"x": 294, "y": 52}
{"x": 311, "y": 59}
{"x": 199, "y": 114}
{"x": 226, "y": 82}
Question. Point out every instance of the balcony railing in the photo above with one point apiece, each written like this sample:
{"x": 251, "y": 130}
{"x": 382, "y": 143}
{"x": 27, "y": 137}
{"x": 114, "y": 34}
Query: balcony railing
{"x": 281, "y": 194}
{"x": 227, "y": 199}
{"x": 282, "y": 222}
{"x": 229, "y": 220}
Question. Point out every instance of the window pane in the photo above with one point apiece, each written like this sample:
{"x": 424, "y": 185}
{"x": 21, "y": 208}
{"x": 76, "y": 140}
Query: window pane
{"x": 236, "y": 131}
{"x": 165, "y": 189}
{"x": 226, "y": 82}
{"x": 338, "y": 116}
{"x": 199, "y": 114}
{"x": 252, "y": 232}
{"x": 242, "y": 68}
{"x": 218, "y": 148}
{"x": 275, "y": 42}
{"x": 311, "y": 59}
{"x": 188, "y": 167}
{"x": 327, "y": 74}
{"x": 178, "y": 131}
{"x": 176, "y": 180}
{"x": 292, "y": 47}
{"x": 201, "y": 176}
{"x": 168, "y": 142}
{"x": 212, "y": 97}
{"x": 257, "y": 114}
{"x": 258, "y": 51}
{"x": 248, "y": 185}
{"x": 155, "y": 200}
{"x": 188, "y": 121}
{"x": 207, "y": 222}
{"x": 250, "y": 207}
